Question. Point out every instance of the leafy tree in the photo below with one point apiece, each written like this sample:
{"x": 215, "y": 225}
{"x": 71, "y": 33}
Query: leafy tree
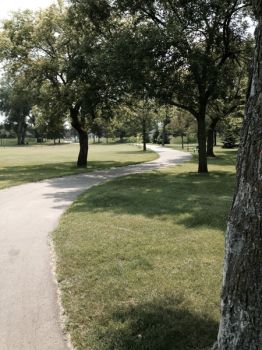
{"x": 241, "y": 321}
{"x": 63, "y": 57}
{"x": 182, "y": 49}
{"x": 231, "y": 97}
{"x": 136, "y": 117}
{"x": 230, "y": 129}
{"x": 163, "y": 120}
{"x": 47, "y": 122}
{"x": 97, "y": 129}
{"x": 16, "y": 104}
{"x": 182, "y": 124}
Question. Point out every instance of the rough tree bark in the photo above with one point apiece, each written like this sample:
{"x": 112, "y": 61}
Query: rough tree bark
{"x": 241, "y": 319}
{"x": 83, "y": 136}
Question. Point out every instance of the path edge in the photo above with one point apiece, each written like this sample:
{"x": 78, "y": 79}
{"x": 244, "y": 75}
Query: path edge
{"x": 63, "y": 318}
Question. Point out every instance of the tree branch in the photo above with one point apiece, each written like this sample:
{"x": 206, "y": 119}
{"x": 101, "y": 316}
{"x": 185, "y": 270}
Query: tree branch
{"x": 185, "y": 107}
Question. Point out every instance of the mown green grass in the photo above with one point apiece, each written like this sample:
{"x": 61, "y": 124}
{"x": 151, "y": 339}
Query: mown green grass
{"x": 140, "y": 259}
{"x": 12, "y": 142}
{"x": 32, "y": 163}
{"x": 191, "y": 147}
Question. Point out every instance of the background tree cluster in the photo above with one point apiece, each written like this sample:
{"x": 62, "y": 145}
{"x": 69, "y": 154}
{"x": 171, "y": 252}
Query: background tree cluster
{"x": 127, "y": 68}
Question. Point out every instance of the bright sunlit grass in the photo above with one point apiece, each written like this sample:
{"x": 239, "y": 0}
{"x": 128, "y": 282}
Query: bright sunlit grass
{"x": 32, "y": 163}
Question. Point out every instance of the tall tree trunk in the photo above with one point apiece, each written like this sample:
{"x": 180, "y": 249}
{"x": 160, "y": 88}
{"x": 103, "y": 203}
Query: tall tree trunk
{"x": 19, "y": 140}
{"x": 144, "y": 134}
{"x": 211, "y": 137}
{"x": 83, "y": 136}
{"x": 202, "y": 151}
{"x": 23, "y": 135}
{"x": 21, "y": 131}
{"x": 241, "y": 319}
{"x": 83, "y": 152}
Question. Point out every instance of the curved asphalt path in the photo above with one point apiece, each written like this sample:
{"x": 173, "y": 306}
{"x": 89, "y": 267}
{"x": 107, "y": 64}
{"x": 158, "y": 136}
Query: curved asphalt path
{"x": 29, "y": 311}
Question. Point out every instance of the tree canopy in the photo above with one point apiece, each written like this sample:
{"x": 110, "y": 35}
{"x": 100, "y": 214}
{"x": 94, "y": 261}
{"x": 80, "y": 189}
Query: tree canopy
{"x": 88, "y": 57}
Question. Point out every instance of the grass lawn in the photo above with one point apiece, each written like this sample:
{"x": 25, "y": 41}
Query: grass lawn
{"x": 32, "y": 163}
{"x": 12, "y": 142}
{"x": 140, "y": 259}
{"x": 191, "y": 147}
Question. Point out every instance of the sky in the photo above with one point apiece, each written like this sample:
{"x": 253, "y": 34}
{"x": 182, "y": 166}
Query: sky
{"x": 6, "y": 6}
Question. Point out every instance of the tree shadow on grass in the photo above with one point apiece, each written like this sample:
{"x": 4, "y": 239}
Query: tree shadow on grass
{"x": 224, "y": 159}
{"x": 163, "y": 324}
{"x": 13, "y": 175}
{"x": 187, "y": 198}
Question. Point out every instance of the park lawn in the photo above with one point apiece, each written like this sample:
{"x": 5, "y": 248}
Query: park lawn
{"x": 191, "y": 147}
{"x": 33, "y": 163}
{"x": 139, "y": 259}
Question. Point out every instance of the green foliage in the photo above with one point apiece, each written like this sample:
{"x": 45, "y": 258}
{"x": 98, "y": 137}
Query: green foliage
{"x": 232, "y": 87}
{"x": 161, "y": 137}
{"x": 16, "y": 104}
{"x": 134, "y": 116}
{"x": 61, "y": 60}
{"x": 182, "y": 123}
{"x": 48, "y": 124}
{"x": 186, "y": 43}
{"x": 230, "y": 130}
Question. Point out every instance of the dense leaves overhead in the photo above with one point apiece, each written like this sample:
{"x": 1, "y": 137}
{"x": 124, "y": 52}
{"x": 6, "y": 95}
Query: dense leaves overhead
{"x": 198, "y": 38}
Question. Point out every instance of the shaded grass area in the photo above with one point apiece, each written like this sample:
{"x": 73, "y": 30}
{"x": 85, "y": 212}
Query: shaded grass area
{"x": 228, "y": 154}
{"x": 32, "y": 163}
{"x": 140, "y": 259}
{"x": 191, "y": 147}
